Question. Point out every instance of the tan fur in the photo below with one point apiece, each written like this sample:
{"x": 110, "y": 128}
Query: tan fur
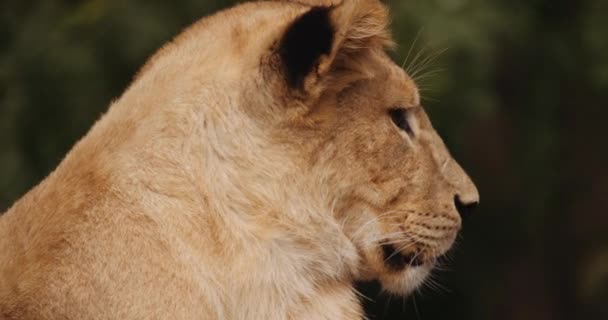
{"x": 211, "y": 190}
{"x": 326, "y": 3}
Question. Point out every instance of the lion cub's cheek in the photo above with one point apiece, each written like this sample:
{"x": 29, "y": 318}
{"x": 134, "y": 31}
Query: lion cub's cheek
{"x": 405, "y": 282}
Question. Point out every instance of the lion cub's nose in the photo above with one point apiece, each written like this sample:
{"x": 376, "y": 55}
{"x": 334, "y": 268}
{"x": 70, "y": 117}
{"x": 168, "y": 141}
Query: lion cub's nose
{"x": 464, "y": 208}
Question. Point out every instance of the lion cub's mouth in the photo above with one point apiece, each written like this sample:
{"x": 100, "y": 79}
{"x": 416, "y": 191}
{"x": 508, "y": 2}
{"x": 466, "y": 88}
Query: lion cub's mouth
{"x": 398, "y": 261}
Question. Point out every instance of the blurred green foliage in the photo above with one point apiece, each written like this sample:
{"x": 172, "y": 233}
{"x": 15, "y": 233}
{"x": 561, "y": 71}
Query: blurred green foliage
{"x": 519, "y": 96}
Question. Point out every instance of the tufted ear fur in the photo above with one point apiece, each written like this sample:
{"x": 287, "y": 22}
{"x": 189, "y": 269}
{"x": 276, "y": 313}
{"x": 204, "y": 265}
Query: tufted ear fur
{"x": 326, "y": 35}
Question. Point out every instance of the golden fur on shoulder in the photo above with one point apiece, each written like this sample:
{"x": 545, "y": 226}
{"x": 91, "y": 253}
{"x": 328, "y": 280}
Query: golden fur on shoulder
{"x": 260, "y": 163}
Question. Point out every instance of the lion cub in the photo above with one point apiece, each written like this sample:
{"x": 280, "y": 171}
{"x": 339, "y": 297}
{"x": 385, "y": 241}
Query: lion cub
{"x": 260, "y": 163}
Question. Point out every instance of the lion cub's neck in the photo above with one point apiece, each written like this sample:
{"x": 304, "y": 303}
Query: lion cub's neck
{"x": 189, "y": 168}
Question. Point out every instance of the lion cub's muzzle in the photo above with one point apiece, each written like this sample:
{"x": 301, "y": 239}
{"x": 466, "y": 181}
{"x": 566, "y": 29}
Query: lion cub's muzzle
{"x": 430, "y": 238}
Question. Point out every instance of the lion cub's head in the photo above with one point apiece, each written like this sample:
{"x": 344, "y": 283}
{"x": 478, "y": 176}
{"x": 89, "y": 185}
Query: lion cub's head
{"x": 312, "y": 121}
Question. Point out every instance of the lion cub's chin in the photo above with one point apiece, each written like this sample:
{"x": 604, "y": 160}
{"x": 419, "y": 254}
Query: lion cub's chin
{"x": 406, "y": 281}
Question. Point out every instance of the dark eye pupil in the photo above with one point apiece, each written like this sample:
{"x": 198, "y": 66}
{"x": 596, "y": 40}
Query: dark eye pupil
{"x": 399, "y": 117}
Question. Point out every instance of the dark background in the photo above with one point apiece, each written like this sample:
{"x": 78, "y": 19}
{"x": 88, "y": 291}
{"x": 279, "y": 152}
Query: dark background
{"x": 520, "y": 96}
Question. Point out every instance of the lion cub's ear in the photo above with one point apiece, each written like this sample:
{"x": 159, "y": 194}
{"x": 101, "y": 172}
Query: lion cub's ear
{"x": 309, "y": 38}
{"x": 316, "y": 39}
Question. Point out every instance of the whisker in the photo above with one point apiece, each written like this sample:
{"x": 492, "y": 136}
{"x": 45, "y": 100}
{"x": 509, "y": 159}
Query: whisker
{"x": 388, "y": 303}
{"x": 425, "y": 63}
{"x": 382, "y": 239}
{"x": 438, "y": 286}
{"x": 428, "y": 60}
{"x": 412, "y": 66}
{"x": 426, "y": 89}
{"x": 396, "y": 241}
{"x": 398, "y": 251}
{"x": 428, "y": 74}
{"x": 360, "y": 294}
{"x": 440, "y": 266}
{"x": 430, "y": 99}
{"x": 354, "y": 236}
{"x": 411, "y": 47}
{"x": 416, "y": 307}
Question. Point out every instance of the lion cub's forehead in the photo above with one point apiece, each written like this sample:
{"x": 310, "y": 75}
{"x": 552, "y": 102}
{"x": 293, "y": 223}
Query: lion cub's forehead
{"x": 409, "y": 87}
{"x": 398, "y": 84}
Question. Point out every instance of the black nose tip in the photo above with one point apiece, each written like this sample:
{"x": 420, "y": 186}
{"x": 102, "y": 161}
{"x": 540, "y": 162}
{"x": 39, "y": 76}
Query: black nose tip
{"x": 464, "y": 209}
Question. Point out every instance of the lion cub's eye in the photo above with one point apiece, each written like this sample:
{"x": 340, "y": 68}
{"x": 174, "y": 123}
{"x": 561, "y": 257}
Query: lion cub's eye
{"x": 400, "y": 119}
